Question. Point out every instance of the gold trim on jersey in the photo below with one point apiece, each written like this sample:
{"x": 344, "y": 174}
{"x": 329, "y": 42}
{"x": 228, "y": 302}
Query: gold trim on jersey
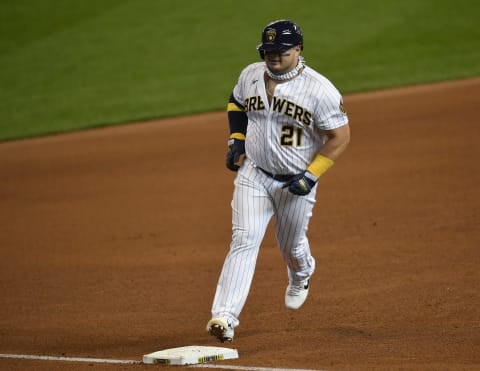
{"x": 233, "y": 107}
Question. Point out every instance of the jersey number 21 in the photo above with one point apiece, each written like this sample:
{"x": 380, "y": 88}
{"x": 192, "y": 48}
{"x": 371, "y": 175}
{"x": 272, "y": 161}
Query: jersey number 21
{"x": 291, "y": 136}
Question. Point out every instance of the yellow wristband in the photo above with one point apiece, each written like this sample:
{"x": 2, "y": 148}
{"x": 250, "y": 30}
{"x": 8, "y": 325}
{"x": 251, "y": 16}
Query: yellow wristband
{"x": 319, "y": 165}
{"x": 240, "y": 136}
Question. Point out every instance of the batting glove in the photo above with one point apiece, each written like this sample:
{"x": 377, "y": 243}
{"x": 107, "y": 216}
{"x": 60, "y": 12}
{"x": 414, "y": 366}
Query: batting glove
{"x": 302, "y": 183}
{"x": 236, "y": 154}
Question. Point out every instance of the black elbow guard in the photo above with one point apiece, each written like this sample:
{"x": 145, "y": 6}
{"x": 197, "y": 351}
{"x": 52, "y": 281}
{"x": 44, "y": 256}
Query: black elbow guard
{"x": 237, "y": 118}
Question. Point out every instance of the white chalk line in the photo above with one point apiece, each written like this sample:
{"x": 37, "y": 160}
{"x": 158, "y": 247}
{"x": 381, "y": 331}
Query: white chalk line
{"x": 68, "y": 359}
{"x": 133, "y": 362}
{"x": 248, "y": 368}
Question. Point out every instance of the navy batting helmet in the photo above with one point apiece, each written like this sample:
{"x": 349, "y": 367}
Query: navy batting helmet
{"x": 280, "y": 36}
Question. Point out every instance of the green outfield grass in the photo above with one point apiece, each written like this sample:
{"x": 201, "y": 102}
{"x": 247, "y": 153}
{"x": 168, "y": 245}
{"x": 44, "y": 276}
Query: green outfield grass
{"x": 68, "y": 65}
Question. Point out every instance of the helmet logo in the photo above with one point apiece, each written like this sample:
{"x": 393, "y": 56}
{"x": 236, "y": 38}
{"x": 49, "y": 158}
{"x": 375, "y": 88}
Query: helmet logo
{"x": 271, "y": 34}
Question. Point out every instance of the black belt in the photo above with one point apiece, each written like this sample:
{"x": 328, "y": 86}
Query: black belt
{"x": 279, "y": 177}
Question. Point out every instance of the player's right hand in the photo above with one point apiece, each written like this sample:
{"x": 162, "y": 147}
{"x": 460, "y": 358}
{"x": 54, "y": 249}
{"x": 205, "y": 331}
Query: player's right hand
{"x": 236, "y": 154}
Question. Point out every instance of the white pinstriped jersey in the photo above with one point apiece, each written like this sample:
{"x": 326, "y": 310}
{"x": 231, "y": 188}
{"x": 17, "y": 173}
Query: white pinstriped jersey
{"x": 283, "y": 137}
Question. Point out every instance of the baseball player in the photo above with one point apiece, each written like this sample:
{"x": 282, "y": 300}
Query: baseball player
{"x": 287, "y": 127}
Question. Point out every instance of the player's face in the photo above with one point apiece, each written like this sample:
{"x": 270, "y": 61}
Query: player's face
{"x": 282, "y": 62}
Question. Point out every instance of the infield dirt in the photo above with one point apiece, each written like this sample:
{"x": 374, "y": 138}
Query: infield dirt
{"x": 112, "y": 241}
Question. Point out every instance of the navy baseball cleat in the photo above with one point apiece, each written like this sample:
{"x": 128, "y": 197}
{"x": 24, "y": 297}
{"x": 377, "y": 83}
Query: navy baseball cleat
{"x": 221, "y": 328}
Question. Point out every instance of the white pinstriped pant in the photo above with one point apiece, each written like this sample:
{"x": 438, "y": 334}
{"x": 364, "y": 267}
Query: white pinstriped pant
{"x": 256, "y": 199}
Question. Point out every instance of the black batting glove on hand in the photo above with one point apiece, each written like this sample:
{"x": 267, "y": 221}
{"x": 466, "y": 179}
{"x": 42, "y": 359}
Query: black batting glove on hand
{"x": 301, "y": 184}
{"x": 236, "y": 154}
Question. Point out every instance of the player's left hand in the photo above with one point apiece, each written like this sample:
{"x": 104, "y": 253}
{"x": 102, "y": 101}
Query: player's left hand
{"x": 301, "y": 184}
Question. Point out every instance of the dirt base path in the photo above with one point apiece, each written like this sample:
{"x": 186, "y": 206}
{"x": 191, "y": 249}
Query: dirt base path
{"x": 112, "y": 241}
